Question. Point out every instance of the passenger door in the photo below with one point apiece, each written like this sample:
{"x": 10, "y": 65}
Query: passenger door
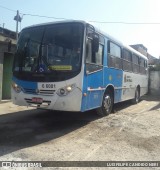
{"x": 94, "y": 72}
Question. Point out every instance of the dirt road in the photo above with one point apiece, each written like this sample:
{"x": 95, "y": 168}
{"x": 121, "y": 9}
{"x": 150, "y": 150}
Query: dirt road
{"x": 132, "y": 133}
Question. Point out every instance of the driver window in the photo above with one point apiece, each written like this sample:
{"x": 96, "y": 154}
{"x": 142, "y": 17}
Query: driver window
{"x": 94, "y": 61}
{"x": 99, "y": 55}
{"x": 96, "y": 58}
{"x": 89, "y": 51}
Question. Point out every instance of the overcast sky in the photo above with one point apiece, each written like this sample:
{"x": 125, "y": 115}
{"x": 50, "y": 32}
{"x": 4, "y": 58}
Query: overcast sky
{"x": 128, "y": 11}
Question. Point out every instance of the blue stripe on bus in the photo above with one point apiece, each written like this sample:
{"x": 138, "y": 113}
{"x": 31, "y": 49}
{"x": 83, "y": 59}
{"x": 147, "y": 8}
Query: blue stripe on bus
{"x": 25, "y": 84}
{"x": 102, "y": 79}
{"x": 114, "y": 77}
{"x": 94, "y": 96}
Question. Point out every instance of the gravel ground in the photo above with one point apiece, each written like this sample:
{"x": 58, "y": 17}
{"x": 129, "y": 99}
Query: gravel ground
{"x": 131, "y": 133}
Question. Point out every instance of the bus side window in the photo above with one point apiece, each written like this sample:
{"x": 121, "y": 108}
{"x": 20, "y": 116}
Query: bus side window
{"x": 146, "y": 67}
{"x": 142, "y": 66}
{"x": 99, "y": 55}
{"x": 114, "y": 55}
{"x": 127, "y": 59}
{"x": 94, "y": 60}
{"x": 89, "y": 51}
{"x": 135, "y": 63}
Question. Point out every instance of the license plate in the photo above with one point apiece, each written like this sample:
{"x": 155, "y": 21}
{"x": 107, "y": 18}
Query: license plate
{"x": 37, "y": 100}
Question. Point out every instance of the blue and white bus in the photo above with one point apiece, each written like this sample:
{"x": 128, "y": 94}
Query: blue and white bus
{"x": 72, "y": 66}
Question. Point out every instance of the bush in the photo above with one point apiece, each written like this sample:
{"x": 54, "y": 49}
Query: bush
{"x": 154, "y": 67}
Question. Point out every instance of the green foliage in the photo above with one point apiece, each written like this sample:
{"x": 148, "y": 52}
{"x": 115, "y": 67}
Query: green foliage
{"x": 154, "y": 67}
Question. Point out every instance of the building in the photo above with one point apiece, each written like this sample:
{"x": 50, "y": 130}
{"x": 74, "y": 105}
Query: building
{"x": 143, "y": 50}
{"x": 7, "y": 50}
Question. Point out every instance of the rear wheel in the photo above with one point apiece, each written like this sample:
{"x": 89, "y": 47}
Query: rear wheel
{"x": 107, "y": 104}
{"x": 137, "y": 96}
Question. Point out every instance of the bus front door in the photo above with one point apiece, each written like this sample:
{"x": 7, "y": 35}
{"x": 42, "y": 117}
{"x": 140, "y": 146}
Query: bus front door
{"x": 94, "y": 84}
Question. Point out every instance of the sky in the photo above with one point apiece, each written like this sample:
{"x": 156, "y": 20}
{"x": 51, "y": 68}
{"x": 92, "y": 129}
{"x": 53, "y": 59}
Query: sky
{"x": 128, "y": 11}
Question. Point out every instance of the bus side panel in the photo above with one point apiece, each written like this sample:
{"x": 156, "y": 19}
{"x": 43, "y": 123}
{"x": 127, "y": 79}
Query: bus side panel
{"x": 84, "y": 103}
{"x": 130, "y": 83}
{"x": 92, "y": 87}
{"x": 114, "y": 77}
{"x": 84, "y": 97}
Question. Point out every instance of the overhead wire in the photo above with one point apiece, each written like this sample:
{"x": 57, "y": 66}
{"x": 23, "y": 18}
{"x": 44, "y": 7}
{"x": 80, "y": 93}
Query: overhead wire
{"x": 122, "y": 22}
{"x": 41, "y": 16}
{"x": 92, "y": 21}
{"x": 7, "y": 8}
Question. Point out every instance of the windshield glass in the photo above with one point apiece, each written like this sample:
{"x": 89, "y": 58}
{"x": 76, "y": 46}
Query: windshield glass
{"x": 49, "y": 50}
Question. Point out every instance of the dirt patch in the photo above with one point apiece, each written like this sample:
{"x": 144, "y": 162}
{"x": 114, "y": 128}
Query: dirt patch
{"x": 130, "y": 134}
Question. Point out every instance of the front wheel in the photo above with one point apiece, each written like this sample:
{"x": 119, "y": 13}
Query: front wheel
{"x": 107, "y": 104}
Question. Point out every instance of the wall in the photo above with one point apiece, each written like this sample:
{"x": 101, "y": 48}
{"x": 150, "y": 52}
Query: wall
{"x": 154, "y": 83}
{"x": 1, "y": 68}
{"x": 3, "y": 50}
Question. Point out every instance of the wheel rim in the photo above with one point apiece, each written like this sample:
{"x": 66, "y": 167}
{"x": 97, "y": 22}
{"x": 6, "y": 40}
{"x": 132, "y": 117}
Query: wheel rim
{"x": 137, "y": 96}
{"x": 107, "y": 103}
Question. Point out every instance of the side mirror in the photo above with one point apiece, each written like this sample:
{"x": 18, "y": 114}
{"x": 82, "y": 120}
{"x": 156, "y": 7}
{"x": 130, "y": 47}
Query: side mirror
{"x": 95, "y": 43}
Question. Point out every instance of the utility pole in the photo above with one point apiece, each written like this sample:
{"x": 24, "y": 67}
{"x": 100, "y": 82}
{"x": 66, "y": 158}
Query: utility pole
{"x": 17, "y": 18}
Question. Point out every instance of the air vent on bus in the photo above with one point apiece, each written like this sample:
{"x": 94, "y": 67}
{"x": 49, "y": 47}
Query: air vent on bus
{"x": 46, "y": 92}
{"x": 36, "y": 91}
{"x": 29, "y": 91}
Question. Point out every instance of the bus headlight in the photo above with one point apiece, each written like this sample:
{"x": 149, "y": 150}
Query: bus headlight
{"x": 66, "y": 90}
{"x": 16, "y": 87}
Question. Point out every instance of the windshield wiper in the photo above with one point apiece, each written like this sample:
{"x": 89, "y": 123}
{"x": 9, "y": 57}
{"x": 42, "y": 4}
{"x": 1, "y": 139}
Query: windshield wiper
{"x": 38, "y": 69}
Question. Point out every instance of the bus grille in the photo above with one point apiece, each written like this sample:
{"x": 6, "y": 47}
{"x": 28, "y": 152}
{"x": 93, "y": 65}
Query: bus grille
{"x": 47, "y": 92}
{"x": 29, "y": 91}
{"x": 35, "y": 91}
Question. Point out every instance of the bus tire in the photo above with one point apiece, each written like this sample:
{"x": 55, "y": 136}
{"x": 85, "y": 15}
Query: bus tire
{"x": 137, "y": 96}
{"x": 107, "y": 104}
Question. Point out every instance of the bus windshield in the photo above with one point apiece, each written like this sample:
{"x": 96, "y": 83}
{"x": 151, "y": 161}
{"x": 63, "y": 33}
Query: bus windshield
{"x": 53, "y": 50}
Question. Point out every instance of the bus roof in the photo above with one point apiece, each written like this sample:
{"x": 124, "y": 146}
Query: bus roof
{"x": 118, "y": 42}
{"x": 97, "y": 30}
{"x": 57, "y": 22}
